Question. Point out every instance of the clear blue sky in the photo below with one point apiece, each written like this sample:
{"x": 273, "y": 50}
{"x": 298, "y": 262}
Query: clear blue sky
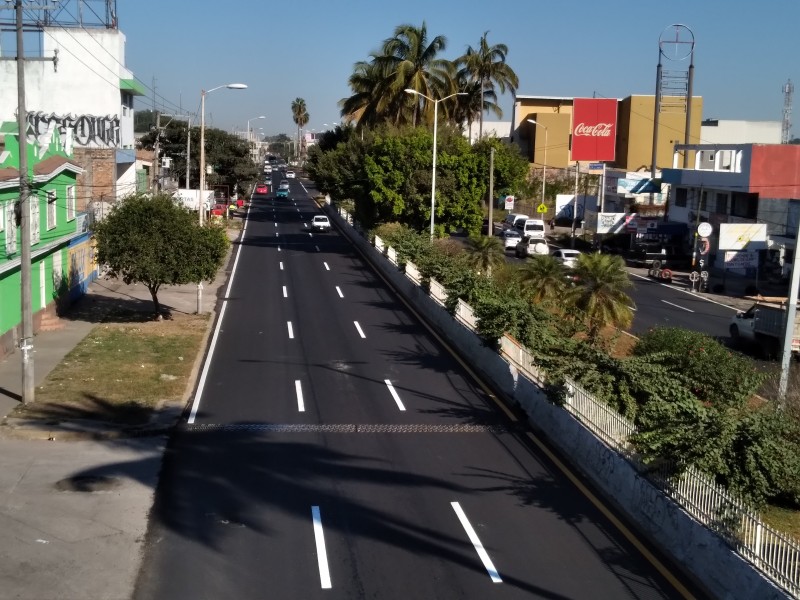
{"x": 745, "y": 51}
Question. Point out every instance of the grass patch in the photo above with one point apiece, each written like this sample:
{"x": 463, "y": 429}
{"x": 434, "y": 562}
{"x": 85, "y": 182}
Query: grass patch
{"x": 121, "y": 371}
{"x": 785, "y": 520}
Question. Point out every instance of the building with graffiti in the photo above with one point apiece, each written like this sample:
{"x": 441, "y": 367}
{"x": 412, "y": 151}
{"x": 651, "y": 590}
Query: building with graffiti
{"x": 62, "y": 257}
{"x": 78, "y": 85}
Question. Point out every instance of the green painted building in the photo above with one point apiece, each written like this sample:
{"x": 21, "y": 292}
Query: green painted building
{"x": 62, "y": 262}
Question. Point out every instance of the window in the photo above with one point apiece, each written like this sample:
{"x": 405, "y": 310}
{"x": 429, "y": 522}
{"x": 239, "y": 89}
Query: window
{"x": 745, "y": 205}
{"x": 722, "y": 203}
{"x": 71, "y": 203}
{"x": 681, "y": 195}
{"x": 11, "y": 229}
{"x": 51, "y": 209}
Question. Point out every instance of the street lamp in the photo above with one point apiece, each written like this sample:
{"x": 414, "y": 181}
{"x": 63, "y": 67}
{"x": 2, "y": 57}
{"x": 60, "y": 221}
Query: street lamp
{"x": 435, "y": 125}
{"x": 201, "y": 199}
{"x": 230, "y": 86}
{"x": 248, "y": 126}
{"x": 544, "y": 163}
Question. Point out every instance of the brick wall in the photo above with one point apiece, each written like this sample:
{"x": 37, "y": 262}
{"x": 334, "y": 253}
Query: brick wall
{"x": 99, "y": 178}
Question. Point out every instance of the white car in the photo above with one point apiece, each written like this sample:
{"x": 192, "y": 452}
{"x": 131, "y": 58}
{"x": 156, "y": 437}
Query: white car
{"x": 568, "y": 258}
{"x": 510, "y": 238}
{"x": 321, "y": 223}
{"x": 290, "y": 175}
{"x": 530, "y": 246}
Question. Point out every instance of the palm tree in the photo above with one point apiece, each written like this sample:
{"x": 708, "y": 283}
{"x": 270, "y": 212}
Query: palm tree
{"x": 409, "y": 61}
{"x": 364, "y": 106}
{"x": 487, "y": 65}
{"x": 469, "y": 107}
{"x": 485, "y": 252}
{"x": 300, "y": 117}
{"x": 544, "y": 279}
{"x": 600, "y": 293}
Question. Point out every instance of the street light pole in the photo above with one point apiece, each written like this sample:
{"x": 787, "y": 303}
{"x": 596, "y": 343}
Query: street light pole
{"x": 435, "y": 127}
{"x": 544, "y": 164}
{"x": 201, "y": 200}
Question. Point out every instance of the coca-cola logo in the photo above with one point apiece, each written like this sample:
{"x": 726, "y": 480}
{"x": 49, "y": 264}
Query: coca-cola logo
{"x": 598, "y": 130}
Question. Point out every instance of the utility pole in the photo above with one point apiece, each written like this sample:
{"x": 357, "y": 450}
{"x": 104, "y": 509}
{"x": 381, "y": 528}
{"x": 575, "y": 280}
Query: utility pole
{"x": 156, "y": 167}
{"x": 26, "y": 339}
{"x": 491, "y": 189}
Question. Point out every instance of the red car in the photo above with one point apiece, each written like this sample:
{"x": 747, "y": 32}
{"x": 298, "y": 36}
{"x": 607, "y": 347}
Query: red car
{"x": 261, "y": 188}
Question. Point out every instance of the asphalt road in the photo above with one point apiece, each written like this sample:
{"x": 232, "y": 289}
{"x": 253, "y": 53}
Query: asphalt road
{"x": 660, "y": 304}
{"x": 335, "y": 449}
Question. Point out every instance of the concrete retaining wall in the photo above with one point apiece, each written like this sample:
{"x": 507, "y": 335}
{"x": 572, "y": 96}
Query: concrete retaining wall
{"x": 700, "y": 551}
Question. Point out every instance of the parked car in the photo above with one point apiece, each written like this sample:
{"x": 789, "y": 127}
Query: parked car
{"x": 530, "y": 246}
{"x": 568, "y": 258}
{"x": 290, "y": 175}
{"x": 321, "y": 223}
{"x": 510, "y": 237}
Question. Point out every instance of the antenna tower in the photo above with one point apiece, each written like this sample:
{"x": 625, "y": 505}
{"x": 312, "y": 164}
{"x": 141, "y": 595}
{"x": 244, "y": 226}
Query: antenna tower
{"x": 786, "y": 125}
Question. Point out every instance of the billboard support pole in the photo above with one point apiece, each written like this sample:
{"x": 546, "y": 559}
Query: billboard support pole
{"x": 575, "y": 206}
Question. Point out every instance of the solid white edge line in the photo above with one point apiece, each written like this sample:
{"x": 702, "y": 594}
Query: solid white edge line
{"x": 393, "y": 392}
{"x": 360, "y": 331}
{"x": 322, "y": 555}
{"x": 676, "y": 305}
{"x": 304, "y": 187}
{"x": 291, "y": 331}
{"x": 338, "y": 291}
{"x": 298, "y": 389}
{"x": 285, "y": 293}
{"x": 207, "y": 364}
{"x": 327, "y": 268}
{"x": 476, "y": 542}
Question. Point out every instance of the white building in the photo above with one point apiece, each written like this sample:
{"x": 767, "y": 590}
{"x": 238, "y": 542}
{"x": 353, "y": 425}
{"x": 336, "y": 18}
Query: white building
{"x": 718, "y": 131}
{"x": 88, "y": 95}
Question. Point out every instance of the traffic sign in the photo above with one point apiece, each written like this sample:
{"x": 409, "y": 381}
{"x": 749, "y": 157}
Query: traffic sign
{"x": 509, "y": 202}
{"x": 542, "y": 208}
{"x": 704, "y": 275}
{"x": 595, "y": 166}
{"x": 704, "y": 229}
{"x": 694, "y": 276}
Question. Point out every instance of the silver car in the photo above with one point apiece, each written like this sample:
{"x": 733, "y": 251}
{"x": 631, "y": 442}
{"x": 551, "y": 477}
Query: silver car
{"x": 568, "y": 258}
{"x": 510, "y": 238}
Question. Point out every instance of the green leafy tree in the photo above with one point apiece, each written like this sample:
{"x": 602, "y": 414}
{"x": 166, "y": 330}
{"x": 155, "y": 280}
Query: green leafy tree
{"x": 156, "y": 242}
{"x": 487, "y": 65}
{"x": 511, "y": 168}
{"x": 599, "y": 294}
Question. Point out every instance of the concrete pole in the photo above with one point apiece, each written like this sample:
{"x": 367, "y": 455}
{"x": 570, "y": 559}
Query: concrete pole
{"x": 491, "y": 190}
{"x": 201, "y": 204}
{"x": 788, "y": 331}
{"x": 575, "y": 206}
{"x": 26, "y": 340}
{"x": 188, "y": 151}
{"x": 433, "y": 178}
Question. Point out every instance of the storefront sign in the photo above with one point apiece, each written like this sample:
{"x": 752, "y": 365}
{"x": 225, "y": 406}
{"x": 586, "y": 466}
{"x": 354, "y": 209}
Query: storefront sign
{"x": 741, "y": 259}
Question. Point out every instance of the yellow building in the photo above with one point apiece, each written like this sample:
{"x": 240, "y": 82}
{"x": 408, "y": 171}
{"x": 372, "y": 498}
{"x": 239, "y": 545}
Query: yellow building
{"x": 634, "y": 146}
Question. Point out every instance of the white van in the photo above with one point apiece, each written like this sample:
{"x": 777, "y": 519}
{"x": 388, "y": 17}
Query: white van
{"x": 532, "y": 227}
{"x": 513, "y": 220}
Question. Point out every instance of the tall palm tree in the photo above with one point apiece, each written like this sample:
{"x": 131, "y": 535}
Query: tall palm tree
{"x": 600, "y": 293}
{"x": 299, "y": 113}
{"x": 543, "y": 279}
{"x": 469, "y": 107}
{"x": 487, "y": 65}
{"x": 364, "y": 106}
{"x": 409, "y": 62}
{"x": 485, "y": 252}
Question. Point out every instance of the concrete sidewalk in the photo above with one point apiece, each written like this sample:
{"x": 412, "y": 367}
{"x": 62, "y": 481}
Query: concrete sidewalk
{"x": 74, "y": 514}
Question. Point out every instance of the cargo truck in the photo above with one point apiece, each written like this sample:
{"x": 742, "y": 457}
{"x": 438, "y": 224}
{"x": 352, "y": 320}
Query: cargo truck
{"x": 763, "y": 323}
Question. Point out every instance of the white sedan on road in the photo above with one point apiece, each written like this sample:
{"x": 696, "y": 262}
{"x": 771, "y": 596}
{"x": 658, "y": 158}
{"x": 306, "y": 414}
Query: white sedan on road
{"x": 568, "y": 258}
{"x": 290, "y": 175}
{"x": 510, "y": 237}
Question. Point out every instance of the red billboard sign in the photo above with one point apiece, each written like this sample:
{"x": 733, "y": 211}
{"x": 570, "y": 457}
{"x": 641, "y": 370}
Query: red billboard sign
{"x": 594, "y": 128}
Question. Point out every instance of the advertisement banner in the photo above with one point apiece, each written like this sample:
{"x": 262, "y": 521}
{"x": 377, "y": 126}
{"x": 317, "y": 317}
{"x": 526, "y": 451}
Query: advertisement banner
{"x": 594, "y": 129}
{"x": 565, "y": 204}
{"x": 611, "y": 222}
{"x": 741, "y": 259}
{"x": 742, "y": 236}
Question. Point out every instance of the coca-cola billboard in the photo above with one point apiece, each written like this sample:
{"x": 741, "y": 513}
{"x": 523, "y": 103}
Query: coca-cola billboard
{"x": 594, "y": 129}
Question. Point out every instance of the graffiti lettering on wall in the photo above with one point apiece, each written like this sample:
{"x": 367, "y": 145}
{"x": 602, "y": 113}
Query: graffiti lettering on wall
{"x": 84, "y": 130}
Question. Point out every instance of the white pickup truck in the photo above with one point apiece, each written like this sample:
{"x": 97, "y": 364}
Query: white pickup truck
{"x": 763, "y": 324}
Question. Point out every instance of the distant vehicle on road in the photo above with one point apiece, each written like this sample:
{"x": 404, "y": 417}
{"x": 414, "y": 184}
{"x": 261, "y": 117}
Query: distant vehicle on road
{"x": 320, "y": 223}
{"x": 283, "y": 189}
{"x": 290, "y": 175}
{"x": 530, "y": 246}
{"x": 762, "y": 324}
{"x": 262, "y": 188}
{"x": 511, "y": 220}
{"x": 568, "y": 258}
{"x": 531, "y": 227}
{"x": 510, "y": 237}
{"x": 268, "y": 169}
